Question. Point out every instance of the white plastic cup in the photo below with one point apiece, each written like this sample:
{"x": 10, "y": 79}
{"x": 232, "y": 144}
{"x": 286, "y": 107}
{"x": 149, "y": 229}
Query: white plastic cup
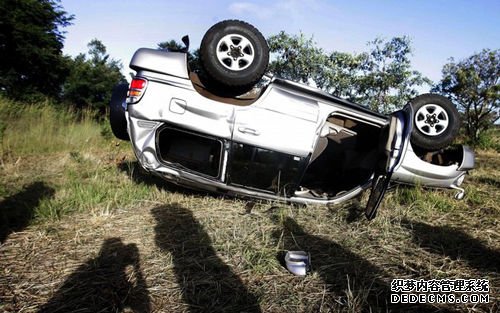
{"x": 298, "y": 262}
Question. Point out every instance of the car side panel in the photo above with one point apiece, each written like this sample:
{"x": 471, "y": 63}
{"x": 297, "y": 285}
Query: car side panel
{"x": 176, "y": 102}
{"x": 283, "y": 122}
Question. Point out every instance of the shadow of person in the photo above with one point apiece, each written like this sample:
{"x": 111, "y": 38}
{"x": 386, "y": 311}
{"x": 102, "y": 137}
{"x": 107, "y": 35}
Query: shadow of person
{"x": 17, "y": 210}
{"x": 455, "y": 244}
{"x": 110, "y": 282}
{"x": 356, "y": 284}
{"x": 207, "y": 283}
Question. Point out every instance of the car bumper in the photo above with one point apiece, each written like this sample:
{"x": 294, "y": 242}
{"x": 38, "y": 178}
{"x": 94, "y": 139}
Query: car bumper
{"x": 415, "y": 171}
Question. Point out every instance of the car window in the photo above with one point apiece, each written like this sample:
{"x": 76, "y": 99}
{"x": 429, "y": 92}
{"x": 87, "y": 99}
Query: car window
{"x": 198, "y": 153}
{"x": 265, "y": 169}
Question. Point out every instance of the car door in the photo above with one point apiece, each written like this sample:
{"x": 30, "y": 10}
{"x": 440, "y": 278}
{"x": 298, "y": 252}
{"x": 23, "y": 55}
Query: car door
{"x": 272, "y": 140}
{"x": 283, "y": 122}
{"x": 393, "y": 144}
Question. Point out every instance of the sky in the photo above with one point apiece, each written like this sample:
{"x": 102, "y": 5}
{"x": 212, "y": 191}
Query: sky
{"x": 438, "y": 29}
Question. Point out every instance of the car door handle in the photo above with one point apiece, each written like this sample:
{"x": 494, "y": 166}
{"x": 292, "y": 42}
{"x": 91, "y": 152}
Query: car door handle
{"x": 250, "y": 131}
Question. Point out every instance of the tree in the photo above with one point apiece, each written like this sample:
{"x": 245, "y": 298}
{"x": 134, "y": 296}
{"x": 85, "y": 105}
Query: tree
{"x": 341, "y": 74}
{"x": 473, "y": 84}
{"x": 387, "y": 81}
{"x": 296, "y": 57}
{"x": 92, "y": 78}
{"x": 171, "y": 45}
{"x": 31, "y": 39}
{"x": 382, "y": 79}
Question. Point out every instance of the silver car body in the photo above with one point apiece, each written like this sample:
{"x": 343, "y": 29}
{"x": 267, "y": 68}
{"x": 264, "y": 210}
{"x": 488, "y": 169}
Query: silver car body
{"x": 287, "y": 117}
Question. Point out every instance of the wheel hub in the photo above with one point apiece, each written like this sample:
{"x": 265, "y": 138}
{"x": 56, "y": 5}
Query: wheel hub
{"x": 235, "y": 52}
{"x": 431, "y": 120}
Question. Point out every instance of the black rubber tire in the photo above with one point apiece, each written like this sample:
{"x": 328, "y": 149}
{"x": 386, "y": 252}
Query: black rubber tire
{"x": 117, "y": 118}
{"x": 221, "y": 79}
{"x": 425, "y": 141}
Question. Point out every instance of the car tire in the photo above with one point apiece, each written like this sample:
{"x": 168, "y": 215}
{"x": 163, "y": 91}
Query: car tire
{"x": 117, "y": 118}
{"x": 234, "y": 56}
{"x": 435, "y": 122}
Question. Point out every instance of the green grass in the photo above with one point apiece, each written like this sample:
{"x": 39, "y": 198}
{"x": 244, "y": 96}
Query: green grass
{"x": 41, "y": 129}
{"x": 81, "y": 225}
{"x": 69, "y": 152}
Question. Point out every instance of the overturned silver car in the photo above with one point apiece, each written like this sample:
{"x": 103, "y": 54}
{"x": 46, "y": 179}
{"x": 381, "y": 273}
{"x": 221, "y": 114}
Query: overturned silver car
{"x": 283, "y": 141}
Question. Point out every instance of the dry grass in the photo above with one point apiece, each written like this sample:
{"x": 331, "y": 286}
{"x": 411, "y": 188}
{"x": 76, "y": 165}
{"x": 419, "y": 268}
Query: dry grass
{"x": 98, "y": 235}
{"x": 175, "y": 251}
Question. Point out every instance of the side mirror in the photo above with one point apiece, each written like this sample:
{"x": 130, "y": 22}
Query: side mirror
{"x": 185, "y": 40}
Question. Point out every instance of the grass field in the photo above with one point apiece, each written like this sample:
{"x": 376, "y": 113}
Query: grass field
{"x": 83, "y": 229}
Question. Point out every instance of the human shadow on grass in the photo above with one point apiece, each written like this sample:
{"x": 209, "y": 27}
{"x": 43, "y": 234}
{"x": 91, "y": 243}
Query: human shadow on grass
{"x": 207, "y": 283}
{"x": 455, "y": 244}
{"x": 17, "y": 211}
{"x": 111, "y": 282}
{"x": 344, "y": 272}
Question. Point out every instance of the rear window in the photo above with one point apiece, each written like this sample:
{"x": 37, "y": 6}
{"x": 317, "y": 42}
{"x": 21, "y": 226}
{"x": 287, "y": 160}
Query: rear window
{"x": 191, "y": 151}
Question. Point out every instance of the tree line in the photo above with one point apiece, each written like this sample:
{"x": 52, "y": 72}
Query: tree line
{"x": 33, "y": 67}
{"x": 383, "y": 78}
